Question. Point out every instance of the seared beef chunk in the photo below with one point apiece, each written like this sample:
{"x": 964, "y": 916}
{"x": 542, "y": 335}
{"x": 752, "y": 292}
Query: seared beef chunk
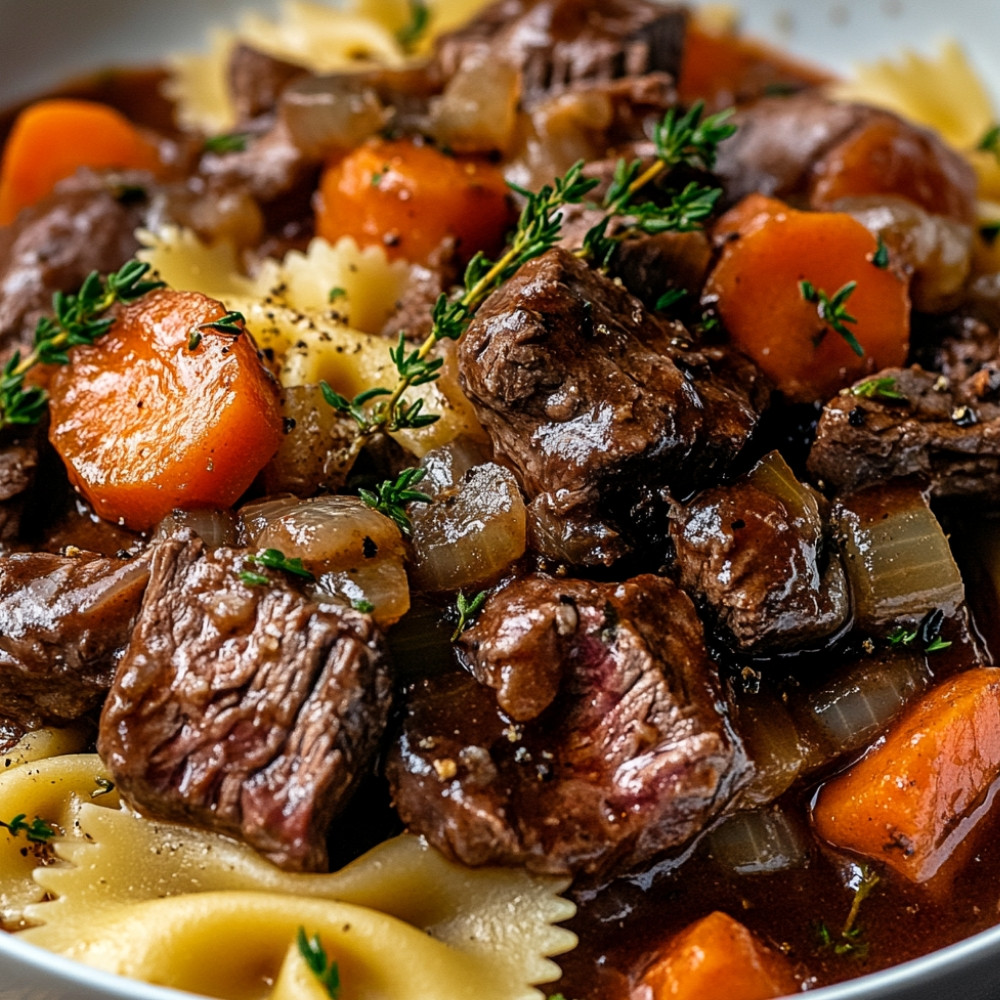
{"x": 249, "y": 710}
{"x": 18, "y": 465}
{"x": 64, "y": 621}
{"x": 947, "y": 435}
{"x": 599, "y": 406}
{"x": 957, "y": 345}
{"x": 86, "y": 225}
{"x": 558, "y": 43}
{"x": 613, "y": 747}
{"x": 797, "y": 147}
{"x": 256, "y": 81}
{"x": 755, "y": 552}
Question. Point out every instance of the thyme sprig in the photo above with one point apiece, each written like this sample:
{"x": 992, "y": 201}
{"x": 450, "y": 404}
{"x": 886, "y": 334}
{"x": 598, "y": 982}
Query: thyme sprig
{"x": 926, "y": 633}
{"x": 314, "y": 955}
{"x": 832, "y": 310}
{"x": 850, "y": 940}
{"x": 273, "y": 559}
{"x": 77, "y": 319}
{"x": 37, "y": 831}
{"x": 467, "y": 609}
{"x": 882, "y": 387}
{"x": 391, "y": 496}
{"x": 687, "y": 139}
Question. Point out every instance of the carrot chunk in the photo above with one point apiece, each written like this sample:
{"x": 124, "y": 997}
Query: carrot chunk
{"x": 409, "y": 198}
{"x": 756, "y": 286}
{"x": 164, "y": 411}
{"x": 717, "y": 957}
{"x": 52, "y": 139}
{"x": 914, "y": 798}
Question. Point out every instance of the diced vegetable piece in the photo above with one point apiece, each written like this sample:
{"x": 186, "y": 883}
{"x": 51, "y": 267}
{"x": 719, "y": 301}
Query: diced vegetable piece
{"x": 164, "y": 411}
{"x": 914, "y": 798}
{"x": 356, "y": 554}
{"x": 897, "y": 557}
{"x": 894, "y": 157}
{"x": 719, "y": 957}
{"x": 762, "y": 840}
{"x": 757, "y": 289}
{"x": 52, "y": 139}
{"x": 408, "y": 199}
{"x": 472, "y": 533}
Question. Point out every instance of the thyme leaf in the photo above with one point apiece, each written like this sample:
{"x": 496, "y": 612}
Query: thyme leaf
{"x": 314, "y": 955}
{"x": 832, "y": 310}
{"x": 467, "y": 610}
{"x": 276, "y": 559}
{"x": 883, "y": 387}
{"x": 410, "y": 34}
{"x": 927, "y": 633}
{"x": 391, "y": 496}
{"x": 36, "y": 832}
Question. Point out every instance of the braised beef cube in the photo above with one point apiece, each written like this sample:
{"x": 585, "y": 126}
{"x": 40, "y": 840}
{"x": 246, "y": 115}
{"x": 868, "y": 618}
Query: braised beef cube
{"x": 910, "y": 422}
{"x": 256, "y": 80}
{"x": 18, "y": 469}
{"x": 600, "y": 407}
{"x": 756, "y": 552}
{"x": 244, "y": 708}
{"x": 64, "y": 621}
{"x": 558, "y": 43}
{"x": 593, "y": 739}
{"x": 11, "y": 733}
{"x": 87, "y": 224}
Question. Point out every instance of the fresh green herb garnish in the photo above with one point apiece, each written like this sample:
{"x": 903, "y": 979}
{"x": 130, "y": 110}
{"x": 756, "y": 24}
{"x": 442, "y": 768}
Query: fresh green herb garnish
{"x": 410, "y": 34}
{"x": 881, "y": 256}
{"x": 849, "y": 941}
{"x": 365, "y": 607}
{"x": 232, "y": 323}
{"x": 336, "y": 293}
{"x": 194, "y": 339}
{"x": 832, "y": 310}
{"x": 37, "y": 831}
{"x": 104, "y": 787}
{"x": 467, "y": 610}
{"x": 882, "y": 387}
{"x": 78, "y": 319}
{"x": 391, "y": 496}
{"x": 229, "y": 142}
{"x": 990, "y": 141}
{"x": 252, "y": 579}
{"x": 927, "y": 633}
{"x": 671, "y": 297}
{"x": 275, "y": 559}
{"x": 314, "y": 955}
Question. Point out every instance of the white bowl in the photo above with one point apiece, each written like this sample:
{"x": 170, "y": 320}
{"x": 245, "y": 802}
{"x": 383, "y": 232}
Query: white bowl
{"x": 44, "y": 41}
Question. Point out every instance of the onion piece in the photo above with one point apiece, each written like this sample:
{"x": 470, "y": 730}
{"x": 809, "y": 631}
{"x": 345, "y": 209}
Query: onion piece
{"x": 330, "y": 114}
{"x": 356, "y": 553}
{"x": 215, "y": 528}
{"x": 477, "y": 112}
{"x": 897, "y": 557}
{"x": 763, "y": 840}
{"x": 471, "y": 533}
{"x": 773, "y": 744}
{"x": 856, "y": 704}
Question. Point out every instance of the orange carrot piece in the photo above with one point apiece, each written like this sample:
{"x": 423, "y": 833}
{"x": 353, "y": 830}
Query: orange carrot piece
{"x": 409, "y": 198}
{"x": 717, "y": 957}
{"x": 889, "y": 156}
{"x": 52, "y": 139}
{"x": 914, "y": 798}
{"x": 149, "y": 418}
{"x": 771, "y": 248}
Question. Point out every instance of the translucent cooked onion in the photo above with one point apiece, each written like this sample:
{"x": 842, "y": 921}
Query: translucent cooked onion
{"x": 763, "y": 840}
{"x": 329, "y": 114}
{"x": 356, "y": 553}
{"x": 773, "y": 744}
{"x": 858, "y": 703}
{"x": 773, "y": 475}
{"x": 897, "y": 557}
{"x": 214, "y": 527}
{"x": 938, "y": 250}
{"x": 477, "y": 112}
{"x": 471, "y": 533}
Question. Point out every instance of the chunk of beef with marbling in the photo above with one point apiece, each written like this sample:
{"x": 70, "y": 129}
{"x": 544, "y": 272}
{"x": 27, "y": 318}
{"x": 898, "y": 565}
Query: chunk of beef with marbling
{"x": 598, "y": 406}
{"x": 804, "y": 146}
{"x": 948, "y": 435}
{"x": 756, "y": 552}
{"x": 558, "y": 43}
{"x": 246, "y": 709}
{"x": 64, "y": 621}
{"x": 255, "y": 81}
{"x": 87, "y": 224}
{"x": 592, "y": 741}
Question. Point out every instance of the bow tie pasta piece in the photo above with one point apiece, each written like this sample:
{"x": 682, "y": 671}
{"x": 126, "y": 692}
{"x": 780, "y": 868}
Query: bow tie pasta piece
{"x": 45, "y": 792}
{"x": 499, "y": 922}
